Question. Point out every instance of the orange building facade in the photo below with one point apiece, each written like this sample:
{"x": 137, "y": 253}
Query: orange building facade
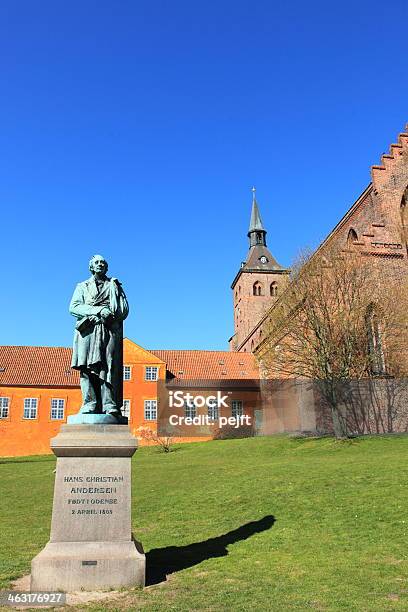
{"x": 39, "y": 390}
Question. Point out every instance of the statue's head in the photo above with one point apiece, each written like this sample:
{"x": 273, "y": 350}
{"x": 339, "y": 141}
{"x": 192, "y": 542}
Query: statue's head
{"x": 98, "y": 264}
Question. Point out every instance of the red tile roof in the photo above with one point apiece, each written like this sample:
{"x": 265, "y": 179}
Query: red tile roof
{"x": 210, "y": 365}
{"x": 50, "y": 366}
{"x": 37, "y": 366}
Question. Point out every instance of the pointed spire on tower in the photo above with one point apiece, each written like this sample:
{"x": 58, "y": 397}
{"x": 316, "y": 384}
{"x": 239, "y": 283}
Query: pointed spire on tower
{"x": 256, "y": 221}
{"x": 256, "y": 232}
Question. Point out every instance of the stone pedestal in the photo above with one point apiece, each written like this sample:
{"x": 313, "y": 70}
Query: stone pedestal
{"x": 91, "y": 545}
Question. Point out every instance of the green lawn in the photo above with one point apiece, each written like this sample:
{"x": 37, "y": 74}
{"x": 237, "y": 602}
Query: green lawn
{"x": 337, "y": 539}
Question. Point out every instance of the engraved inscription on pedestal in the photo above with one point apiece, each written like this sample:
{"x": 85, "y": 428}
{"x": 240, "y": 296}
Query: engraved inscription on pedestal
{"x": 92, "y": 500}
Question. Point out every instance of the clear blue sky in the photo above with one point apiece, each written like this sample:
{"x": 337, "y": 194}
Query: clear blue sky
{"x": 136, "y": 129}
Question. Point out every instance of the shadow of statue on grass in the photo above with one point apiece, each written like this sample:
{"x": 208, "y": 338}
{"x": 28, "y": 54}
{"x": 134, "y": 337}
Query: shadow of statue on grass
{"x": 163, "y": 561}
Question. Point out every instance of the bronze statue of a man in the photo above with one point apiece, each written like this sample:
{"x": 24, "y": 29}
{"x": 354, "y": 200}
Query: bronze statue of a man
{"x": 100, "y": 306}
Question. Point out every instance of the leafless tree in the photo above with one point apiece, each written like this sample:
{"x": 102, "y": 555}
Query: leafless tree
{"x": 165, "y": 443}
{"x": 334, "y": 324}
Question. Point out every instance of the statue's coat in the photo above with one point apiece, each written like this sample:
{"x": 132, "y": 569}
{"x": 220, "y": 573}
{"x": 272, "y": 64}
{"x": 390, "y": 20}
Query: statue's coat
{"x": 99, "y": 347}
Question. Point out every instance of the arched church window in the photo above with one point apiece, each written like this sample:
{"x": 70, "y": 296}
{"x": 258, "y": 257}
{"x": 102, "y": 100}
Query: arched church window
{"x": 274, "y": 289}
{"x": 375, "y": 341}
{"x": 352, "y": 237}
{"x": 252, "y": 346}
{"x": 257, "y": 288}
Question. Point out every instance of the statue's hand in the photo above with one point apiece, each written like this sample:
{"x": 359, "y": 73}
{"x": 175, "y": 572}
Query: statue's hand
{"x": 105, "y": 313}
{"x": 94, "y": 319}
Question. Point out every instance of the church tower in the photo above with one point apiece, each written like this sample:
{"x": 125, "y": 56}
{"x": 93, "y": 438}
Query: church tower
{"x": 258, "y": 283}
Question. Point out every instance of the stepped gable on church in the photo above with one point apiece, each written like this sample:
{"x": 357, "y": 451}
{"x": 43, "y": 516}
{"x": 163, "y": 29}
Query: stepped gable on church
{"x": 376, "y": 223}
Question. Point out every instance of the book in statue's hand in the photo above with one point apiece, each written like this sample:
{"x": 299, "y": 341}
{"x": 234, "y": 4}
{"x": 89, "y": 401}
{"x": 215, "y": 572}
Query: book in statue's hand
{"x": 84, "y": 325}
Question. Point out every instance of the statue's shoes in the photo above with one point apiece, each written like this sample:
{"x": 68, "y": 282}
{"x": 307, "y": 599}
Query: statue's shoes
{"x": 114, "y": 412}
{"x": 87, "y": 411}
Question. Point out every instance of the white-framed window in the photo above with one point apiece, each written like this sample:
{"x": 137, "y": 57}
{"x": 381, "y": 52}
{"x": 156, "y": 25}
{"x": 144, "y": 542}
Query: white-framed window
{"x": 151, "y": 373}
{"x": 190, "y": 410}
{"x": 57, "y": 409}
{"x": 126, "y": 408}
{"x": 4, "y": 407}
{"x": 30, "y": 408}
{"x": 237, "y": 408}
{"x": 213, "y": 410}
{"x": 150, "y": 410}
{"x": 127, "y": 372}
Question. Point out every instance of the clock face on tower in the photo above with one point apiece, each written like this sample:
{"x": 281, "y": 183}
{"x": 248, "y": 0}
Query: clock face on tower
{"x": 263, "y": 259}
